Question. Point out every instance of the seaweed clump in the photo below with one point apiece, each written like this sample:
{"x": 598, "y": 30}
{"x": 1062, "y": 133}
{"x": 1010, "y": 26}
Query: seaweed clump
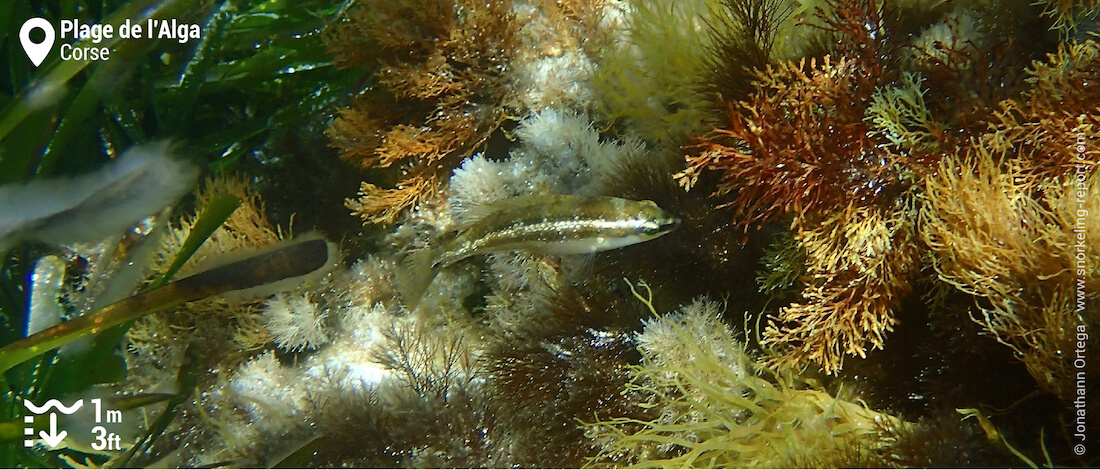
{"x": 716, "y": 408}
{"x": 663, "y": 73}
{"x": 437, "y": 92}
{"x": 1069, "y": 15}
{"x": 157, "y": 343}
{"x": 870, "y": 157}
{"x": 647, "y": 84}
{"x": 1006, "y": 219}
{"x": 800, "y": 147}
{"x": 1015, "y": 254}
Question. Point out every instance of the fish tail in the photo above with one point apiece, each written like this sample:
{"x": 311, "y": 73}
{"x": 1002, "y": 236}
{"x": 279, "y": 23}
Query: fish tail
{"x": 416, "y": 272}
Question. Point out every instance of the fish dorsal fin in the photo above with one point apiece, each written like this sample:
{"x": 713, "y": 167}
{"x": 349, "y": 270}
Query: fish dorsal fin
{"x": 470, "y": 214}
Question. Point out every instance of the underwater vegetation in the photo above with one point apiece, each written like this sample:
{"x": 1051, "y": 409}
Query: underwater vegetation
{"x": 439, "y": 93}
{"x": 587, "y": 233}
{"x": 714, "y": 408}
{"x": 75, "y": 125}
{"x": 851, "y": 152}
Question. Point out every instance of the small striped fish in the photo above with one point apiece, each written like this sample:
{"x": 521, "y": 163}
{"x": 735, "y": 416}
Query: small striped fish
{"x": 560, "y": 225}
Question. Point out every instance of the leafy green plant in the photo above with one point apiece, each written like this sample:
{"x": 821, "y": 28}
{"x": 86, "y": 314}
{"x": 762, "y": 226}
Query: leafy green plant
{"x": 68, "y": 117}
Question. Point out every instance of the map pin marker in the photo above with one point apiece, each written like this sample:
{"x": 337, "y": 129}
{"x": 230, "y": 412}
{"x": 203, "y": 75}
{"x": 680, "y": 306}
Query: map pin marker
{"x": 37, "y": 52}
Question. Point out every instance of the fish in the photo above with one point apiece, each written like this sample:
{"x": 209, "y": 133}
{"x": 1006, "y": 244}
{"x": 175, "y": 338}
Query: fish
{"x": 259, "y": 274}
{"x": 550, "y": 224}
{"x": 61, "y": 211}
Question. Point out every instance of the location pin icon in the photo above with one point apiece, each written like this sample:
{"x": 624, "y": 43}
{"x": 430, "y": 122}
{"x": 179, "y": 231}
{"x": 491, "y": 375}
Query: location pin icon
{"x": 37, "y": 52}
